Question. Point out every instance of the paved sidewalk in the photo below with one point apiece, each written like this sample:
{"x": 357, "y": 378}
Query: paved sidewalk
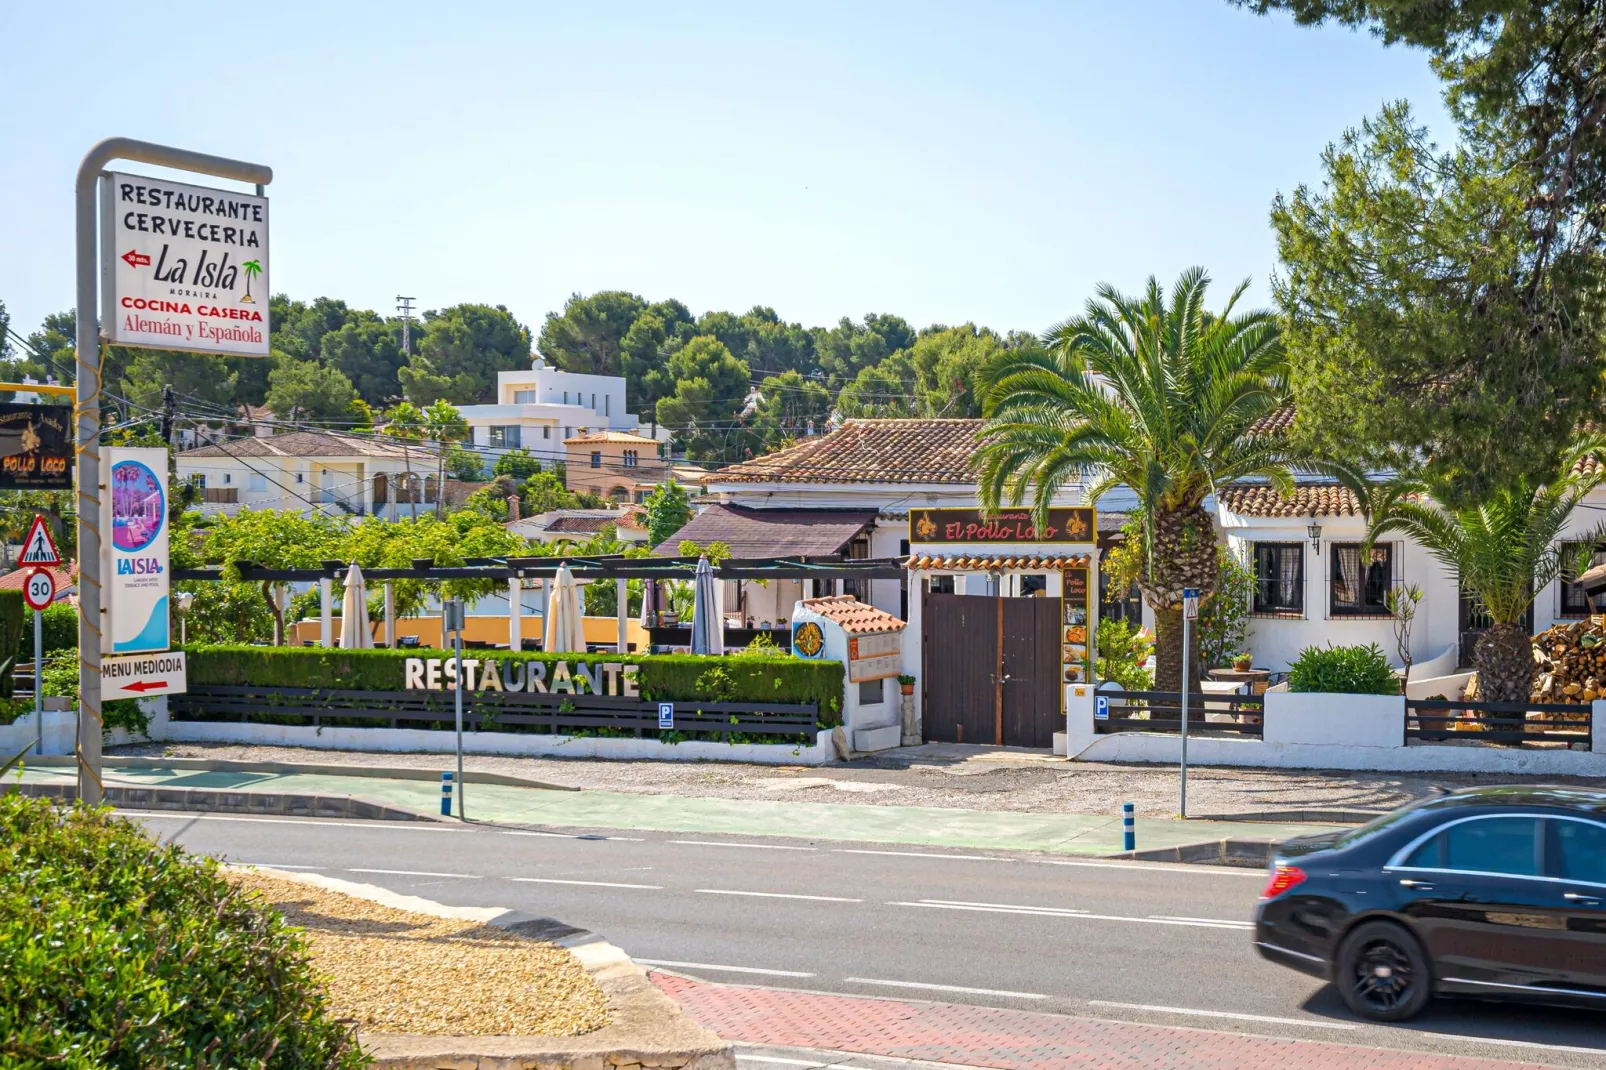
{"x": 1075, "y": 834}
{"x": 1015, "y": 1040}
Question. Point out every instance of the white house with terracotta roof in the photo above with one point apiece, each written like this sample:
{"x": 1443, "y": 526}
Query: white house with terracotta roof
{"x": 312, "y": 471}
{"x": 1313, "y": 586}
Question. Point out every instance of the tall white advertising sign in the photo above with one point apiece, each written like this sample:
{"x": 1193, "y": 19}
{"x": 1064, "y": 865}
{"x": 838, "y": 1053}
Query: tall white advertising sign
{"x": 133, "y": 516}
{"x": 183, "y": 267}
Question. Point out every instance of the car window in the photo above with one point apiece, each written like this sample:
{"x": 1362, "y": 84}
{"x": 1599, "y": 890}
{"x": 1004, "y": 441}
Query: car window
{"x": 1379, "y": 824}
{"x": 1429, "y": 855}
{"x": 1494, "y": 845}
{"x": 1582, "y": 849}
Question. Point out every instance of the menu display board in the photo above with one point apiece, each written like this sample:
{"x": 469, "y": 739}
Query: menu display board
{"x": 1074, "y": 645}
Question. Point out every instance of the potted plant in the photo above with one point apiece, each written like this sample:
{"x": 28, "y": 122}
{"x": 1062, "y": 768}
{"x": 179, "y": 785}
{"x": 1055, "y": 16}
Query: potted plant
{"x": 1242, "y": 661}
{"x": 906, "y": 684}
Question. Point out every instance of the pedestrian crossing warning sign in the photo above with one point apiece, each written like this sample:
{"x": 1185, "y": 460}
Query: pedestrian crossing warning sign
{"x": 38, "y": 548}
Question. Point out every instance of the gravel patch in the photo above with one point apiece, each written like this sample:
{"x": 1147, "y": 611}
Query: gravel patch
{"x": 395, "y": 971}
{"x": 970, "y": 778}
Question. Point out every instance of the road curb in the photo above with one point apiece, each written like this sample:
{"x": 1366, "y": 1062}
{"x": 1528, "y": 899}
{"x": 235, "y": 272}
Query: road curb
{"x": 1247, "y": 852}
{"x": 646, "y": 1028}
{"x": 1299, "y": 817}
{"x": 212, "y": 800}
{"x": 228, "y": 765}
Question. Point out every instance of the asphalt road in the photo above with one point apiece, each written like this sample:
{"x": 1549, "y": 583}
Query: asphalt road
{"x": 1129, "y": 941}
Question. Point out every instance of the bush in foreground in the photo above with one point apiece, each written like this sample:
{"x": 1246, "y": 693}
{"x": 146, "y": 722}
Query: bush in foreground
{"x": 1351, "y": 670}
{"x": 118, "y": 952}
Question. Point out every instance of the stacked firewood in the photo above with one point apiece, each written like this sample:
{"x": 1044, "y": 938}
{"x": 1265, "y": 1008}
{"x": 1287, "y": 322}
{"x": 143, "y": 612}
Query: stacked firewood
{"x": 1571, "y": 659}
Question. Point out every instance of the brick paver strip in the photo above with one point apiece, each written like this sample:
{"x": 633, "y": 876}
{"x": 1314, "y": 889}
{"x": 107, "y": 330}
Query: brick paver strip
{"x": 1015, "y": 1040}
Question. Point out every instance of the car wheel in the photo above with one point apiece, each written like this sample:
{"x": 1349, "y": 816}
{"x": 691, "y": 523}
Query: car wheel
{"x": 1383, "y": 973}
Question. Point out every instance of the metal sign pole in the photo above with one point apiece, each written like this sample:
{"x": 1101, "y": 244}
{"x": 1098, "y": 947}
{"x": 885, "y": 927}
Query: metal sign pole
{"x": 91, "y": 623}
{"x": 38, "y": 682}
{"x": 1190, "y": 610}
{"x": 457, "y": 613}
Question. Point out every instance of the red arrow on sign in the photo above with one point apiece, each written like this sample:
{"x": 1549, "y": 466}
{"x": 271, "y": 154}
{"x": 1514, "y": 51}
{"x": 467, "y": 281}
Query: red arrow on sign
{"x": 146, "y": 685}
{"x": 134, "y": 259}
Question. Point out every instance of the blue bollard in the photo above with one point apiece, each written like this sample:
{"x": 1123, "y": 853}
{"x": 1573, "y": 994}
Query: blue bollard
{"x": 1129, "y": 828}
{"x": 446, "y": 795}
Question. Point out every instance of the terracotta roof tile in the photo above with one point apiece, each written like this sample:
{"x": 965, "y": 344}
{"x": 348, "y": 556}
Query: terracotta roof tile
{"x": 65, "y": 577}
{"x": 869, "y": 451}
{"x": 1309, "y": 499}
{"x": 853, "y": 616}
{"x": 998, "y": 562}
{"x": 1274, "y": 423}
{"x": 612, "y": 436}
{"x": 300, "y": 444}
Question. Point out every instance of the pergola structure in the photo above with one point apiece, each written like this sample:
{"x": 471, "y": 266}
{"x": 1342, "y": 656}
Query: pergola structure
{"x": 515, "y": 570}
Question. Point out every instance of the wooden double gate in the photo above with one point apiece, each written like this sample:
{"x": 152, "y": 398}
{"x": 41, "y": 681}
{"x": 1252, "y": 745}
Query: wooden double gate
{"x": 992, "y": 670}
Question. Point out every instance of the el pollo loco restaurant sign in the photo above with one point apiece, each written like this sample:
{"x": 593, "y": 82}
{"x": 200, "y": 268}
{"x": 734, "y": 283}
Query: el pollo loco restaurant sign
{"x": 184, "y": 267}
{"x": 972, "y": 526}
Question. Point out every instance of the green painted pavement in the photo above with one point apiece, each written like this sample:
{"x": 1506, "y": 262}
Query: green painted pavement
{"x": 1075, "y": 834}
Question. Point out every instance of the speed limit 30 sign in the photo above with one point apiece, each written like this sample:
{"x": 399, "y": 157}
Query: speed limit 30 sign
{"x": 40, "y": 590}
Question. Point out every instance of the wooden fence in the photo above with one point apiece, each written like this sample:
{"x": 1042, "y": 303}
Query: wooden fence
{"x": 517, "y": 712}
{"x": 1161, "y": 711}
{"x": 1434, "y": 720}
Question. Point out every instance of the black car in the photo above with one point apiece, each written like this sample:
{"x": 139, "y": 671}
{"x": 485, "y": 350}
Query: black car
{"x": 1494, "y": 893}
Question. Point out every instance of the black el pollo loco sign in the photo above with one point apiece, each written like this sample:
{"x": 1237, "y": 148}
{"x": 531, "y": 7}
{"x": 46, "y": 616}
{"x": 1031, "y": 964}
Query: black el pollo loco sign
{"x": 36, "y": 445}
{"x": 1007, "y": 525}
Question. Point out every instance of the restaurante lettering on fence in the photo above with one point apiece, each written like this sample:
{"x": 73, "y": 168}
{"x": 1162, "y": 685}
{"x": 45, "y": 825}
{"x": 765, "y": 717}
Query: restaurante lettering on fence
{"x": 488, "y": 674}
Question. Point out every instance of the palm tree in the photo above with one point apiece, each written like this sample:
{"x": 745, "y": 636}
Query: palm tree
{"x": 406, "y": 424}
{"x": 444, "y": 424}
{"x": 1504, "y": 551}
{"x": 1162, "y": 397}
{"x": 251, "y": 269}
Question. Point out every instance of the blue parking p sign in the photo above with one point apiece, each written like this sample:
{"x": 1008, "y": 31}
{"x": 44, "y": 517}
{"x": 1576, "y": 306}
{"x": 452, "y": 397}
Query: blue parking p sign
{"x": 666, "y": 715}
{"x": 1101, "y": 708}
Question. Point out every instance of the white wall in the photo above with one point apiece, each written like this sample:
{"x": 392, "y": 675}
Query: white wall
{"x": 1277, "y": 641}
{"x": 1359, "y": 732}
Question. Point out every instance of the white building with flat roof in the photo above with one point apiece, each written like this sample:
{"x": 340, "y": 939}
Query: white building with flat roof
{"x": 538, "y": 409}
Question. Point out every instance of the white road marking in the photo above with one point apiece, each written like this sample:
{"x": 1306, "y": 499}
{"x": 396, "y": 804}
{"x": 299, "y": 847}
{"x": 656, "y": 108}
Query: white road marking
{"x": 316, "y": 822}
{"x": 573, "y": 836}
{"x": 922, "y": 854}
{"x": 837, "y": 1060}
{"x": 1077, "y": 915}
{"x": 416, "y": 873}
{"x": 1212, "y": 921}
{"x": 741, "y": 1058}
{"x": 756, "y": 846}
{"x": 1223, "y": 1014}
{"x": 944, "y": 988}
{"x": 588, "y": 884}
{"x": 275, "y": 865}
{"x": 1506, "y": 1043}
{"x": 1003, "y": 906}
{"x": 1174, "y": 868}
{"x": 781, "y": 895}
{"x": 722, "y": 969}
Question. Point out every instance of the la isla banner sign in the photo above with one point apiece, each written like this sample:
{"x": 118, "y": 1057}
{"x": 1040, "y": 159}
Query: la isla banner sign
{"x": 183, "y": 267}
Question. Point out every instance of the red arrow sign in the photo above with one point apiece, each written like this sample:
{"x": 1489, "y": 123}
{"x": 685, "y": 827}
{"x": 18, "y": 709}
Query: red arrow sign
{"x": 134, "y": 259}
{"x": 146, "y": 685}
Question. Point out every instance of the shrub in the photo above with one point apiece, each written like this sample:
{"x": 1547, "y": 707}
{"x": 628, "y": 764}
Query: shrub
{"x": 1122, "y": 651}
{"x": 666, "y": 677}
{"x": 61, "y": 681}
{"x": 61, "y": 629}
{"x": 1350, "y": 670}
{"x": 120, "y": 952}
{"x": 10, "y": 640}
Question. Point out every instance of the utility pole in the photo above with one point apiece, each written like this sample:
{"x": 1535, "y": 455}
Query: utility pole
{"x": 169, "y": 405}
{"x": 404, "y": 308}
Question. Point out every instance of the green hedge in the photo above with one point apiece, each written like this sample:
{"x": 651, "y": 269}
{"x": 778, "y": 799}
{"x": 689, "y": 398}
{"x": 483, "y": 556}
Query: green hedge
{"x": 10, "y": 641}
{"x": 1349, "y": 670}
{"x": 61, "y": 629}
{"x": 123, "y": 953}
{"x": 670, "y": 677}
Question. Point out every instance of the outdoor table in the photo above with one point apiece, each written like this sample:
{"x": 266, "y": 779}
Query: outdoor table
{"x": 1256, "y": 679}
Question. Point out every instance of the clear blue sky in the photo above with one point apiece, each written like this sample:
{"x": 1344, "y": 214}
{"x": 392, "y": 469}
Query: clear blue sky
{"x": 988, "y": 162}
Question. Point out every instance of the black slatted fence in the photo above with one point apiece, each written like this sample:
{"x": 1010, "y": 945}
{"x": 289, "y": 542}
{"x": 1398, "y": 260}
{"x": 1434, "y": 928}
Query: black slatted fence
{"x": 1161, "y": 711}
{"x": 504, "y": 712}
{"x": 1434, "y": 720}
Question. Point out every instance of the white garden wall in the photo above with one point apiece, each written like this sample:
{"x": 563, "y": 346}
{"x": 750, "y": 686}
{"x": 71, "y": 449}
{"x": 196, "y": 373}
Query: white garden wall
{"x": 1357, "y": 732}
{"x": 516, "y": 744}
